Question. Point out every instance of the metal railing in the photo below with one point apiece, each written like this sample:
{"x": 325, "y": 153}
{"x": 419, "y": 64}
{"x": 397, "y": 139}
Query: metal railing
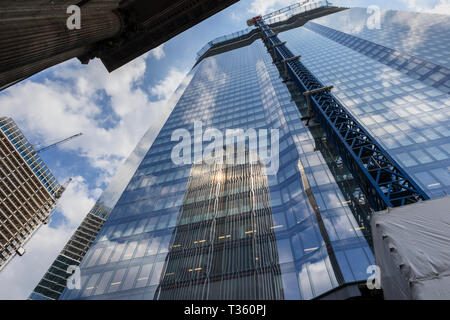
{"x": 294, "y": 9}
{"x": 231, "y": 36}
{"x": 270, "y": 18}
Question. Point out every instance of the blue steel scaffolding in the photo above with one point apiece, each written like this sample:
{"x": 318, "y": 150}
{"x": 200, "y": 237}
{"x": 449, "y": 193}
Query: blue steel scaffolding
{"x": 380, "y": 177}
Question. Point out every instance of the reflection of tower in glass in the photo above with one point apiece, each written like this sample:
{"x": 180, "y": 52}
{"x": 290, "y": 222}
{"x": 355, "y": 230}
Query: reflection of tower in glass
{"x": 224, "y": 246}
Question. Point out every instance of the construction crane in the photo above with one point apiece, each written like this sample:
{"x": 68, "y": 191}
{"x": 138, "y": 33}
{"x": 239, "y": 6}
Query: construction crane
{"x": 58, "y": 195}
{"x": 59, "y": 142}
{"x": 63, "y": 188}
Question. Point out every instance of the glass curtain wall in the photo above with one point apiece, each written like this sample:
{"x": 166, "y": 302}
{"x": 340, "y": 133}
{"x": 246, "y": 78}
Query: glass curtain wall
{"x": 137, "y": 249}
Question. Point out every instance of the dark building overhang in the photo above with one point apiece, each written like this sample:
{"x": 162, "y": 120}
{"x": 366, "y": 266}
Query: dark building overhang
{"x": 35, "y": 35}
{"x": 148, "y": 24}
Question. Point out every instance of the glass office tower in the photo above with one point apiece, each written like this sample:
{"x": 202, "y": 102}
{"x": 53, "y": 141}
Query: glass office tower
{"x": 394, "y": 78}
{"x": 223, "y": 245}
{"x": 55, "y": 279}
{"x": 180, "y": 232}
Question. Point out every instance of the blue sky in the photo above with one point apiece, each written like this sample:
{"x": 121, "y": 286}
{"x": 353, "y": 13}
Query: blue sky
{"x": 113, "y": 111}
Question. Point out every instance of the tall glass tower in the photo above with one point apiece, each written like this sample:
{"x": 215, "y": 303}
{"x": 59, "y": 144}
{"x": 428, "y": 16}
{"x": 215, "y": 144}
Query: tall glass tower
{"x": 194, "y": 230}
{"x": 223, "y": 245}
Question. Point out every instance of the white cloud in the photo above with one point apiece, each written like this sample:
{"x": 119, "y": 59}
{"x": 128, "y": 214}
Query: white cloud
{"x": 167, "y": 86}
{"x": 441, "y": 7}
{"x": 22, "y": 274}
{"x": 236, "y": 17}
{"x": 76, "y": 201}
{"x": 261, "y": 7}
{"x": 158, "y": 53}
{"x": 431, "y": 6}
{"x": 71, "y": 101}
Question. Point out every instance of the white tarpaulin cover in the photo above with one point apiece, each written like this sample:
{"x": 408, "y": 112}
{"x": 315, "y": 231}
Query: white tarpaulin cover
{"x": 412, "y": 249}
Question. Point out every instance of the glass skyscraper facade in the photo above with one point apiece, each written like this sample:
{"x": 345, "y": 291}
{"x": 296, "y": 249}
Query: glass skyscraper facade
{"x": 223, "y": 245}
{"x": 196, "y": 231}
{"x": 55, "y": 279}
{"x": 394, "y": 79}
